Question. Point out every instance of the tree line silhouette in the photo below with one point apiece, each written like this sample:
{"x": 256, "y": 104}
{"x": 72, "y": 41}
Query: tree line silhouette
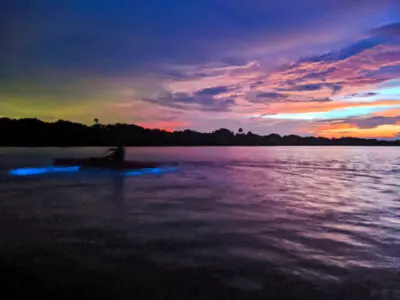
{"x": 34, "y": 132}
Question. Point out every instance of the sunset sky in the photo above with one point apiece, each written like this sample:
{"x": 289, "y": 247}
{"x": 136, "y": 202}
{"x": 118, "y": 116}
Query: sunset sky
{"x": 308, "y": 67}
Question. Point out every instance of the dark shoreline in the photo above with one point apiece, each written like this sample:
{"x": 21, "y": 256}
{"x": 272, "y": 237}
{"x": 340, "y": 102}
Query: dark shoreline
{"x": 36, "y": 133}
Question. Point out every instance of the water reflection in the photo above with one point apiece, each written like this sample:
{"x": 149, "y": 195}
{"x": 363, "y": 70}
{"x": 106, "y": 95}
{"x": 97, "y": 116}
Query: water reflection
{"x": 118, "y": 189}
{"x": 244, "y": 216}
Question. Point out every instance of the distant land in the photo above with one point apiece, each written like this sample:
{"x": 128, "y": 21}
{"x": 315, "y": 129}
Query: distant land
{"x": 34, "y": 132}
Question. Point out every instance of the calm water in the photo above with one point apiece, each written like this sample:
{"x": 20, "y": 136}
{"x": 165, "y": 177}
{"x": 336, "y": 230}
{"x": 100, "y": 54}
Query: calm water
{"x": 234, "y": 223}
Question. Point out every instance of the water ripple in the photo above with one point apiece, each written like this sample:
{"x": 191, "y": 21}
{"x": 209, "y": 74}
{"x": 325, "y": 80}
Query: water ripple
{"x": 319, "y": 214}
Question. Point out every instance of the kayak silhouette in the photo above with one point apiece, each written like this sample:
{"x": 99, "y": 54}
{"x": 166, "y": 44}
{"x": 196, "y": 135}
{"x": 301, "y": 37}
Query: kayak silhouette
{"x": 101, "y": 163}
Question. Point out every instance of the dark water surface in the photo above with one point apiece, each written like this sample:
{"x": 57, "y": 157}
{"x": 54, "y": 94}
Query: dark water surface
{"x": 229, "y": 223}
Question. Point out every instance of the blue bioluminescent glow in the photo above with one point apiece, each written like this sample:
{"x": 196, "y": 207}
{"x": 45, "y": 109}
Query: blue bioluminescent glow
{"x": 150, "y": 171}
{"x": 45, "y": 170}
{"x": 42, "y": 170}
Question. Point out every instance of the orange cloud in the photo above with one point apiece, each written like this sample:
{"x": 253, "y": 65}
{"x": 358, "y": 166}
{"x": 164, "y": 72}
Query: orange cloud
{"x": 348, "y": 130}
{"x": 305, "y": 107}
{"x": 388, "y": 113}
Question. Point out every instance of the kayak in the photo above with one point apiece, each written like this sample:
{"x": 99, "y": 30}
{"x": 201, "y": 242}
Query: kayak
{"x": 103, "y": 164}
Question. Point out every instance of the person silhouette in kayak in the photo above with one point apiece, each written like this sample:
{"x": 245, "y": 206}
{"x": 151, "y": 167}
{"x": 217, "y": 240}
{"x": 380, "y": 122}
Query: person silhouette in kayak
{"x": 116, "y": 154}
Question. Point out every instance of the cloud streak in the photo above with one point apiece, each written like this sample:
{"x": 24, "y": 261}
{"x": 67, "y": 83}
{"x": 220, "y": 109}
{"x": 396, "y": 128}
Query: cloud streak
{"x": 201, "y": 101}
